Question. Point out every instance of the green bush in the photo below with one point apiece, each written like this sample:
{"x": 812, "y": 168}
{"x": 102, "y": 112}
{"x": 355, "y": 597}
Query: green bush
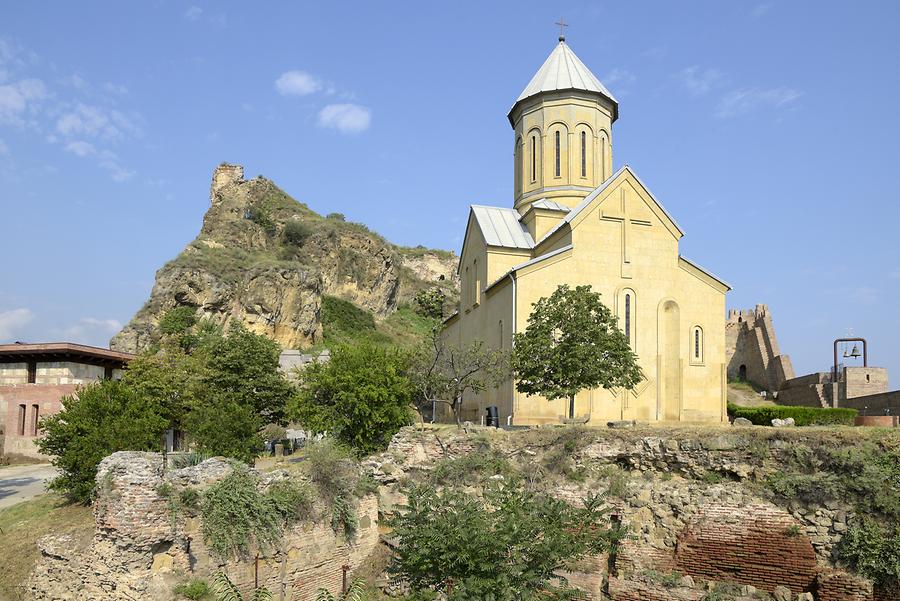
{"x": 261, "y": 217}
{"x": 236, "y": 517}
{"x": 102, "y": 418}
{"x": 430, "y": 303}
{"x": 296, "y": 232}
{"x": 336, "y": 216}
{"x": 803, "y": 416}
{"x": 472, "y": 468}
{"x": 338, "y": 482}
{"x": 361, "y": 396}
{"x": 873, "y": 551}
{"x": 508, "y": 545}
{"x": 194, "y": 589}
{"x": 343, "y": 316}
{"x": 177, "y": 320}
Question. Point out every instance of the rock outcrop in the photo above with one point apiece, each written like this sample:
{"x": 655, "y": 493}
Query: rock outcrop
{"x": 266, "y": 260}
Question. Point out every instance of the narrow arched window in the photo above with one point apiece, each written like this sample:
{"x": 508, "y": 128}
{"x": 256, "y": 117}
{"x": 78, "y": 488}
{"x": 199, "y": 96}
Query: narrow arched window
{"x": 697, "y": 341}
{"x": 557, "y": 153}
{"x": 628, "y": 316}
{"x": 533, "y": 158}
{"x": 583, "y": 154}
{"x": 501, "y": 333}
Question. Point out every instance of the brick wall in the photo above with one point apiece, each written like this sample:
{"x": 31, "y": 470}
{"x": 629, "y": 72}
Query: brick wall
{"x": 841, "y": 586}
{"x": 45, "y": 396}
{"x": 754, "y": 545}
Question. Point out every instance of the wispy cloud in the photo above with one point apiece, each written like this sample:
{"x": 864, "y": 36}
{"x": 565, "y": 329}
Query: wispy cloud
{"x": 621, "y": 79}
{"x": 13, "y": 321}
{"x": 761, "y": 10}
{"x": 80, "y": 148}
{"x": 92, "y": 330}
{"x": 346, "y": 118}
{"x": 193, "y": 13}
{"x": 297, "y": 83}
{"x": 745, "y": 100}
{"x": 697, "y": 81}
{"x": 81, "y": 118}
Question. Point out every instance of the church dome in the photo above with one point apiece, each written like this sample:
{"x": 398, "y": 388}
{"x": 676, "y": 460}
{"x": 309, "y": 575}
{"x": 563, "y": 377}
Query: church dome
{"x": 564, "y": 71}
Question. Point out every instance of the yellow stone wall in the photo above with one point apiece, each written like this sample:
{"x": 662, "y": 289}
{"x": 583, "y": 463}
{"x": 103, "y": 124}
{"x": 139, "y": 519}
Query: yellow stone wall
{"x": 570, "y": 113}
{"x": 671, "y": 298}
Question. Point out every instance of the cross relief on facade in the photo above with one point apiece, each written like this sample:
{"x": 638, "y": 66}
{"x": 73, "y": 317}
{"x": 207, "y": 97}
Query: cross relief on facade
{"x": 627, "y": 218}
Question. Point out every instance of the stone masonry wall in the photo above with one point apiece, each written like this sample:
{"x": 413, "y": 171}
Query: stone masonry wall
{"x": 750, "y": 343}
{"x": 143, "y": 547}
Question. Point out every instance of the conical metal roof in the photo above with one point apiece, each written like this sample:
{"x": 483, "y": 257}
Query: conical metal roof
{"x": 564, "y": 71}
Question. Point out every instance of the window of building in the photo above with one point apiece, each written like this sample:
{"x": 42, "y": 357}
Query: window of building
{"x": 35, "y": 410}
{"x": 697, "y": 345}
{"x": 583, "y": 154}
{"x": 32, "y": 372}
{"x": 476, "y": 284}
{"x": 108, "y": 372}
{"x": 557, "y": 152}
{"x": 501, "y": 333}
{"x": 21, "y": 420}
{"x": 533, "y": 158}
{"x": 628, "y": 316}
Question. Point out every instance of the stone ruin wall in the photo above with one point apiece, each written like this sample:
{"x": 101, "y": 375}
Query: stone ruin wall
{"x": 142, "y": 548}
{"x": 723, "y": 532}
{"x": 750, "y": 342}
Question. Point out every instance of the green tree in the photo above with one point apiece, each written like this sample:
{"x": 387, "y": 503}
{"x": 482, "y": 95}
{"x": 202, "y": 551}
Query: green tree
{"x": 572, "y": 343}
{"x": 443, "y": 373}
{"x": 361, "y": 396}
{"x": 508, "y": 545}
{"x": 430, "y": 303}
{"x": 100, "y": 419}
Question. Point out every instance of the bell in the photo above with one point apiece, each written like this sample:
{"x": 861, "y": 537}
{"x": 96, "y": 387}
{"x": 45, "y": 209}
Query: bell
{"x": 855, "y": 352}
{"x": 846, "y": 352}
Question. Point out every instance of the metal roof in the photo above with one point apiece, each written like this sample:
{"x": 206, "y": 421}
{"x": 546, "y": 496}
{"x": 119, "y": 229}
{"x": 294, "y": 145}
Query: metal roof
{"x": 563, "y": 71}
{"x": 50, "y": 351}
{"x": 706, "y": 271}
{"x": 550, "y": 205}
{"x": 501, "y": 227}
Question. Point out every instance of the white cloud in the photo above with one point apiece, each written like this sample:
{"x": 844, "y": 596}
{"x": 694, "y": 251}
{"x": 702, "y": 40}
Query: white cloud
{"x": 347, "y": 118}
{"x": 80, "y": 148}
{"x": 620, "y": 78}
{"x": 297, "y": 83}
{"x": 193, "y": 13}
{"x": 95, "y": 121}
{"x": 16, "y": 99}
{"x": 92, "y": 330}
{"x": 745, "y": 100}
{"x": 698, "y": 82}
{"x": 110, "y": 162}
{"x": 12, "y": 321}
{"x": 760, "y": 10}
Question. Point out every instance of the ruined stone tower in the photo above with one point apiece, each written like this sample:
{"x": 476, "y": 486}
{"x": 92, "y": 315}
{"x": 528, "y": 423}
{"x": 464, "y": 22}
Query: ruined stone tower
{"x": 751, "y": 349}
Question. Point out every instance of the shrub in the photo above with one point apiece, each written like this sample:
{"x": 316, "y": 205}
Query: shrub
{"x": 509, "y": 544}
{"x": 803, "y": 416}
{"x": 341, "y": 316}
{"x": 178, "y": 320}
{"x": 296, "y": 232}
{"x": 338, "y": 482}
{"x": 430, "y": 303}
{"x": 361, "y": 396}
{"x": 473, "y": 468}
{"x": 100, "y": 419}
{"x": 193, "y": 589}
{"x": 873, "y": 551}
{"x": 237, "y": 517}
{"x": 260, "y": 217}
{"x": 336, "y": 216}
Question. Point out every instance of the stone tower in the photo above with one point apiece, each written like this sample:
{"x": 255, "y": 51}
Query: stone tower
{"x": 563, "y": 132}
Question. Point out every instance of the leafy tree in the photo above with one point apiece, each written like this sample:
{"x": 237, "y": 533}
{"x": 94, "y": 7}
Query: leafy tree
{"x": 442, "y": 373}
{"x": 430, "y": 303}
{"x": 177, "y": 320}
{"x": 361, "y": 395}
{"x": 296, "y": 232}
{"x": 102, "y": 418}
{"x": 572, "y": 343}
{"x": 508, "y": 545}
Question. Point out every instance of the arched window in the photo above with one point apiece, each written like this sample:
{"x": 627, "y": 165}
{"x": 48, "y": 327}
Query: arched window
{"x": 603, "y": 158}
{"x": 697, "y": 345}
{"x": 557, "y": 152}
{"x": 583, "y": 154}
{"x": 501, "y": 333}
{"x": 628, "y": 316}
{"x": 533, "y": 158}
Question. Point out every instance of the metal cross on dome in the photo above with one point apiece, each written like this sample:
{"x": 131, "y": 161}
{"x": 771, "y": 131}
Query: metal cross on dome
{"x": 562, "y": 23}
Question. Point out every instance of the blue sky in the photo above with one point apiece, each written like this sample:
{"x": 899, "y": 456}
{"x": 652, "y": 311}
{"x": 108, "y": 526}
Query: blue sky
{"x": 768, "y": 129}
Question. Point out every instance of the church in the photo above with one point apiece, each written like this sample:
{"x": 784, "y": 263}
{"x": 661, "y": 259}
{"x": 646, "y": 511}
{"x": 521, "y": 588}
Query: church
{"x": 575, "y": 220}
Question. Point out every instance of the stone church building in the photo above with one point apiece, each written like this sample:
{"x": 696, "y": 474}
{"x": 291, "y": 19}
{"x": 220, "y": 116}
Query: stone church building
{"x": 576, "y": 221}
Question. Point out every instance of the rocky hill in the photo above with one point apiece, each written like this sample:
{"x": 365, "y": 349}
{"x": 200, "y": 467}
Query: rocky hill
{"x": 266, "y": 260}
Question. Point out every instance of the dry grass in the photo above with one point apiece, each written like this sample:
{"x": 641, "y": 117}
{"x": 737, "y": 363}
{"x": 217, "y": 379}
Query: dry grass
{"x": 20, "y": 527}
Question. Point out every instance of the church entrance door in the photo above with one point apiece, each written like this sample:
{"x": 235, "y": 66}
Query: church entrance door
{"x": 670, "y": 359}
